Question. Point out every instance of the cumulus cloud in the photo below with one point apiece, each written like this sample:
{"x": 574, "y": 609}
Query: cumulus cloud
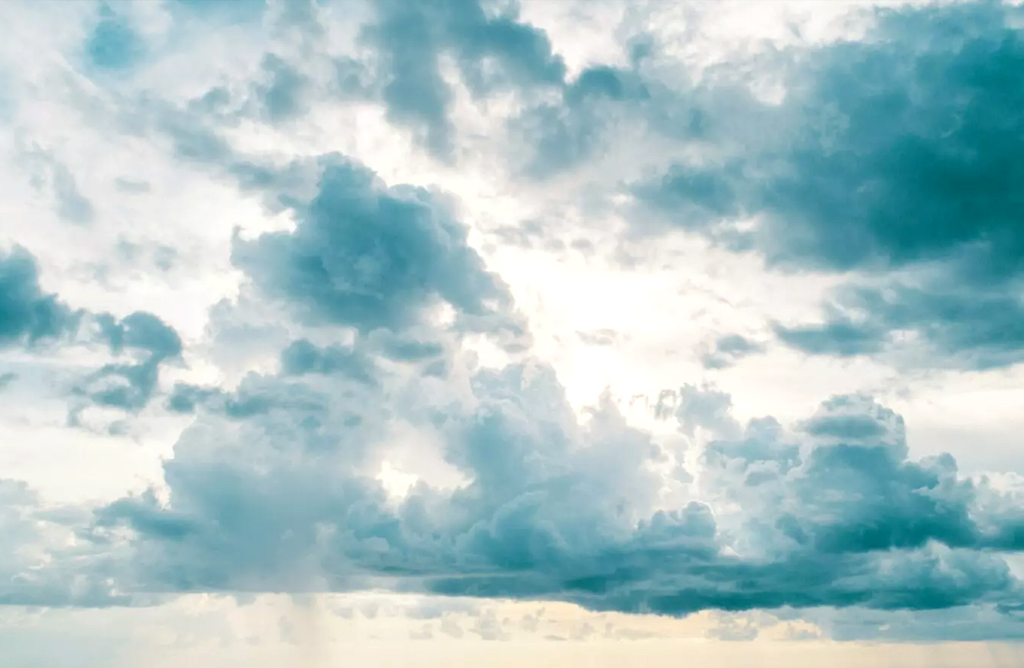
{"x": 828, "y": 513}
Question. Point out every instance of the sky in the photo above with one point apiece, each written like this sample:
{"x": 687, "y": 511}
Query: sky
{"x": 456, "y": 332}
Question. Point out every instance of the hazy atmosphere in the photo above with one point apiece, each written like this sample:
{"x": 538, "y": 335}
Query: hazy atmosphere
{"x": 528, "y": 334}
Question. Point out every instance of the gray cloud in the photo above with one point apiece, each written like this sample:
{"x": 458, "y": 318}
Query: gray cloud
{"x": 411, "y": 38}
{"x": 27, "y": 314}
{"x": 31, "y": 318}
{"x": 369, "y": 256}
{"x": 831, "y": 512}
{"x": 729, "y": 349}
{"x": 131, "y": 385}
{"x": 895, "y": 153}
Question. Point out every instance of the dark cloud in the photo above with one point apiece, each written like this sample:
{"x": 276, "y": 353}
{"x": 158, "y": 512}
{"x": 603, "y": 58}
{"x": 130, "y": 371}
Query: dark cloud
{"x": 897, "y": 149}
{"x": 894, "y": 153}
{"x": 830, "y": 513}
{"x": 839, "y": 337}
{"x": 27, "y": 314}
{"x": 141, "y": 331}
{"x": 919, "y": 162}
{"x": 492, "y": 53}
{"x": 697, "y": 198}
{"x": 523, "y": 460}
{"x": 30, "y": 317}
{"x": 185, "y": 398}
{"x": 130, "y": 385}
{"x": 274, "y": 486}
{"x": 415, "y": 93}
{"x": 963, "y": 324}
{"x": 567, "y": 132}
{"x": 302, "y": 357}
{"x": 606, "y": 109}
{"x": 369, "y": 256}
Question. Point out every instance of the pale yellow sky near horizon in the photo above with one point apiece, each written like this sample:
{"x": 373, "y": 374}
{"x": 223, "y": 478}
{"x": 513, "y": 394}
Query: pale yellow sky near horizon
{"x": 380, "y": 631}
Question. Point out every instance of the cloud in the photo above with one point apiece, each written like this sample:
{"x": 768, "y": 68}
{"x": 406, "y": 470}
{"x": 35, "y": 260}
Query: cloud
{"x": 70, "y": 204}
{"x": 282, "y": 93}
{"x": 27, "y": 314}
{"x": 368, "y": 256}
{"x": 130, "y": 386}
{"x": 728, "y": 350}
{"x": 31, "y": 318}
{"x": 79, "y": 574}
{"x": 894, "y": 158}
{"x": 491, "y": 52}
{"x": 830, "y": 512}
{"x": 278, "y": 93}
{"x": 376, "y": 295}
{"x": 113, "y": 43}
{"x": 961, "y": 324}
{"x": 565, "y": 133}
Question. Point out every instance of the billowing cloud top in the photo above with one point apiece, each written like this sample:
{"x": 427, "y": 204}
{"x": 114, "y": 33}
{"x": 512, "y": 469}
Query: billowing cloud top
{"x": 311, "y": 244}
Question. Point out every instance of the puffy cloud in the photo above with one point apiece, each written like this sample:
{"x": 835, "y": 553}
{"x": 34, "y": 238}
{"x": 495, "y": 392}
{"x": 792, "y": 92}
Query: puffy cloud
{"x": 830, "y": 512}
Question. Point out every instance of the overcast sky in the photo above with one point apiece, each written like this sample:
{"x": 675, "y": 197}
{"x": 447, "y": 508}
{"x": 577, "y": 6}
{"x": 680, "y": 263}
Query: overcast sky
{"x": 467, "y": 332}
